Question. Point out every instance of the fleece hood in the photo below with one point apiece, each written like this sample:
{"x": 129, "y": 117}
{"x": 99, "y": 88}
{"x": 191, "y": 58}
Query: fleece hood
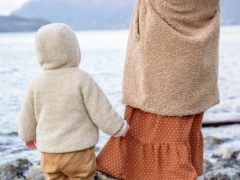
{"x": 57, "y": 47}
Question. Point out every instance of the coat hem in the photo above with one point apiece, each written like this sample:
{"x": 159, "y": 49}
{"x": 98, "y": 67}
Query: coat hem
{"x": 164, "y": 113}
{"x": 65, "y": 151}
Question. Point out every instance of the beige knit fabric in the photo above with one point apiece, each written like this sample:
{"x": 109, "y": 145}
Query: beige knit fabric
{"x": 171, "y": 66}
{"x": 64, "y": 106}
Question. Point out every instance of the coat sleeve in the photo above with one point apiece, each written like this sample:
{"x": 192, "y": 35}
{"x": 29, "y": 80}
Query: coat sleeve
{"x": 100, "y": 109}
{"x": 27, "y": 123}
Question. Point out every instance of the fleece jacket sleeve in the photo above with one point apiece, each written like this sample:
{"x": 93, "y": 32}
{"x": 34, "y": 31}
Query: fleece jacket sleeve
{"x": 100, "y": 109}
{"x": 122, "y": 130}
{"x": 27, "y": 123}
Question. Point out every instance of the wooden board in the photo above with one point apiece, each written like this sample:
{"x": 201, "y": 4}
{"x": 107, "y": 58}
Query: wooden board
{"x": 207, "y": 123}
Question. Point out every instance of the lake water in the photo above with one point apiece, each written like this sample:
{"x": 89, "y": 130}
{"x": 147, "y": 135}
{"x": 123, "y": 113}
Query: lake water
{"x": 103, "y": 54}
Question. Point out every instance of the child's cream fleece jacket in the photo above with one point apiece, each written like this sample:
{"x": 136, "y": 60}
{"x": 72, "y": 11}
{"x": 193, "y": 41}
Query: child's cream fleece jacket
{"x": 64, "y": 107}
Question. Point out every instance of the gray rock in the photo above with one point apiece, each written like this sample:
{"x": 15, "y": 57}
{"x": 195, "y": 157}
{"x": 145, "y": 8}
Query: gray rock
{"x": 19, "y": 178}
{"x": 238, "y": 157}
{"x": 40, "y": 177}
{"x": 7, "y": 171}
{"x": 226, "y": 154}
{"x": 236, "y": 154}
{"x": 35, "y": 173}
{"x": 104, "y": 176}
{"x": 97, "y": 149}
{"x": 210, "y": 141}
{"x": 207, "y": 165}
{"x": 22, "y": 165}
{"x": 223, "y": 174}
{"x": 230, "y": 163}
{"x": 227, "y": 166}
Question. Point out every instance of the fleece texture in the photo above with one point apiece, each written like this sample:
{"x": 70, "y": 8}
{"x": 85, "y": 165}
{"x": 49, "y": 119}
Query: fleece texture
{"x": 64, "y": 106}
{"x": 171, "y": 64}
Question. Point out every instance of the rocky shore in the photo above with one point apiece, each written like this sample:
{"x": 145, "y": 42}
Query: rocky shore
{"x": 227, "y": 166}
{"x": 20, "y": 169}
{"x": 227, "y": 162}
{"x": 223, "y": 165}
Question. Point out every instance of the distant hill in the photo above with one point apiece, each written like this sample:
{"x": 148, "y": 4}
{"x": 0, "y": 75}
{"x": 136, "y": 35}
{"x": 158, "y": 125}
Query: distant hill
{"x": 81, "y": 14}
{"x": 102, "y": 14}
{"x": 17, "y": 24}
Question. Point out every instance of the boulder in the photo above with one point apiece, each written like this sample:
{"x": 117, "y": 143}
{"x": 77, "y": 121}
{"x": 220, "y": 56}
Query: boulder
{"x": 207, "y": 165}
{"x": 227, "y": 154}
{"x": 35, "y": 173}
{"x": 19, "y": 178}
{"x": 40, "y": 177}
{"x": 223, "y": 174}
{"x": 238, "y": 157}
{"x": 7, "y": 171}
{"x": 210, "y": 141}
{"x": 22, "y": 165}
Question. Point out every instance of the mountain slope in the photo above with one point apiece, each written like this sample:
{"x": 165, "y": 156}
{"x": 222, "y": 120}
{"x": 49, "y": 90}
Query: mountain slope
{"x": 81, "y": 14}
{"x": 102, "y": 14}
{"x": 16, "y": 24}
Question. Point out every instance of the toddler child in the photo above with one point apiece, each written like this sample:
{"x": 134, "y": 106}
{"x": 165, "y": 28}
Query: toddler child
{"x": 64, "y": 108}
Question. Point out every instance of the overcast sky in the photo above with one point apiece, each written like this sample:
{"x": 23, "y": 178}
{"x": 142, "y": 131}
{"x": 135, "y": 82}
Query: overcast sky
{"x": 7, "y": 6}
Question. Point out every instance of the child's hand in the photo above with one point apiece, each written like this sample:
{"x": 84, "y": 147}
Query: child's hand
{"x": 31, "y": 144}
{"x": 127, "y": 129}
{"x": 123, "y": 131}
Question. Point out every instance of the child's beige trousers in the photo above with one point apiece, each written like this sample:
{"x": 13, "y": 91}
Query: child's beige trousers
{"x": 78, "y": 165}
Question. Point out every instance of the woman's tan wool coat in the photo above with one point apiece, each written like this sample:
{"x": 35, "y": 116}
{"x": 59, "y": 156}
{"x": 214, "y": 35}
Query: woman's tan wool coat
{"x": 64, "y": 106}
{"x": 171, "y": 66}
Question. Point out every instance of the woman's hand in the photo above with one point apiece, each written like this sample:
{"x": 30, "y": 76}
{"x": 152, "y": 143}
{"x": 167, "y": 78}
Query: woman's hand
{"x": 31, "y": 144}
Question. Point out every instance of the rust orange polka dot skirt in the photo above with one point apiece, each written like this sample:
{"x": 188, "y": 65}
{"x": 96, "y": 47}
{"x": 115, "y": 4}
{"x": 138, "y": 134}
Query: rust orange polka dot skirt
{"x": 155, "y": 148}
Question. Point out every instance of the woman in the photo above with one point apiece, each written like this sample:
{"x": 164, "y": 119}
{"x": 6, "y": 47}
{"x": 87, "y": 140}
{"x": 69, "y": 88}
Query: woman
{"x": 170, "y": 79}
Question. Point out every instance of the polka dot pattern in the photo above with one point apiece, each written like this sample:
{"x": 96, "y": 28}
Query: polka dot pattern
{"x": 156, "y": 147}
